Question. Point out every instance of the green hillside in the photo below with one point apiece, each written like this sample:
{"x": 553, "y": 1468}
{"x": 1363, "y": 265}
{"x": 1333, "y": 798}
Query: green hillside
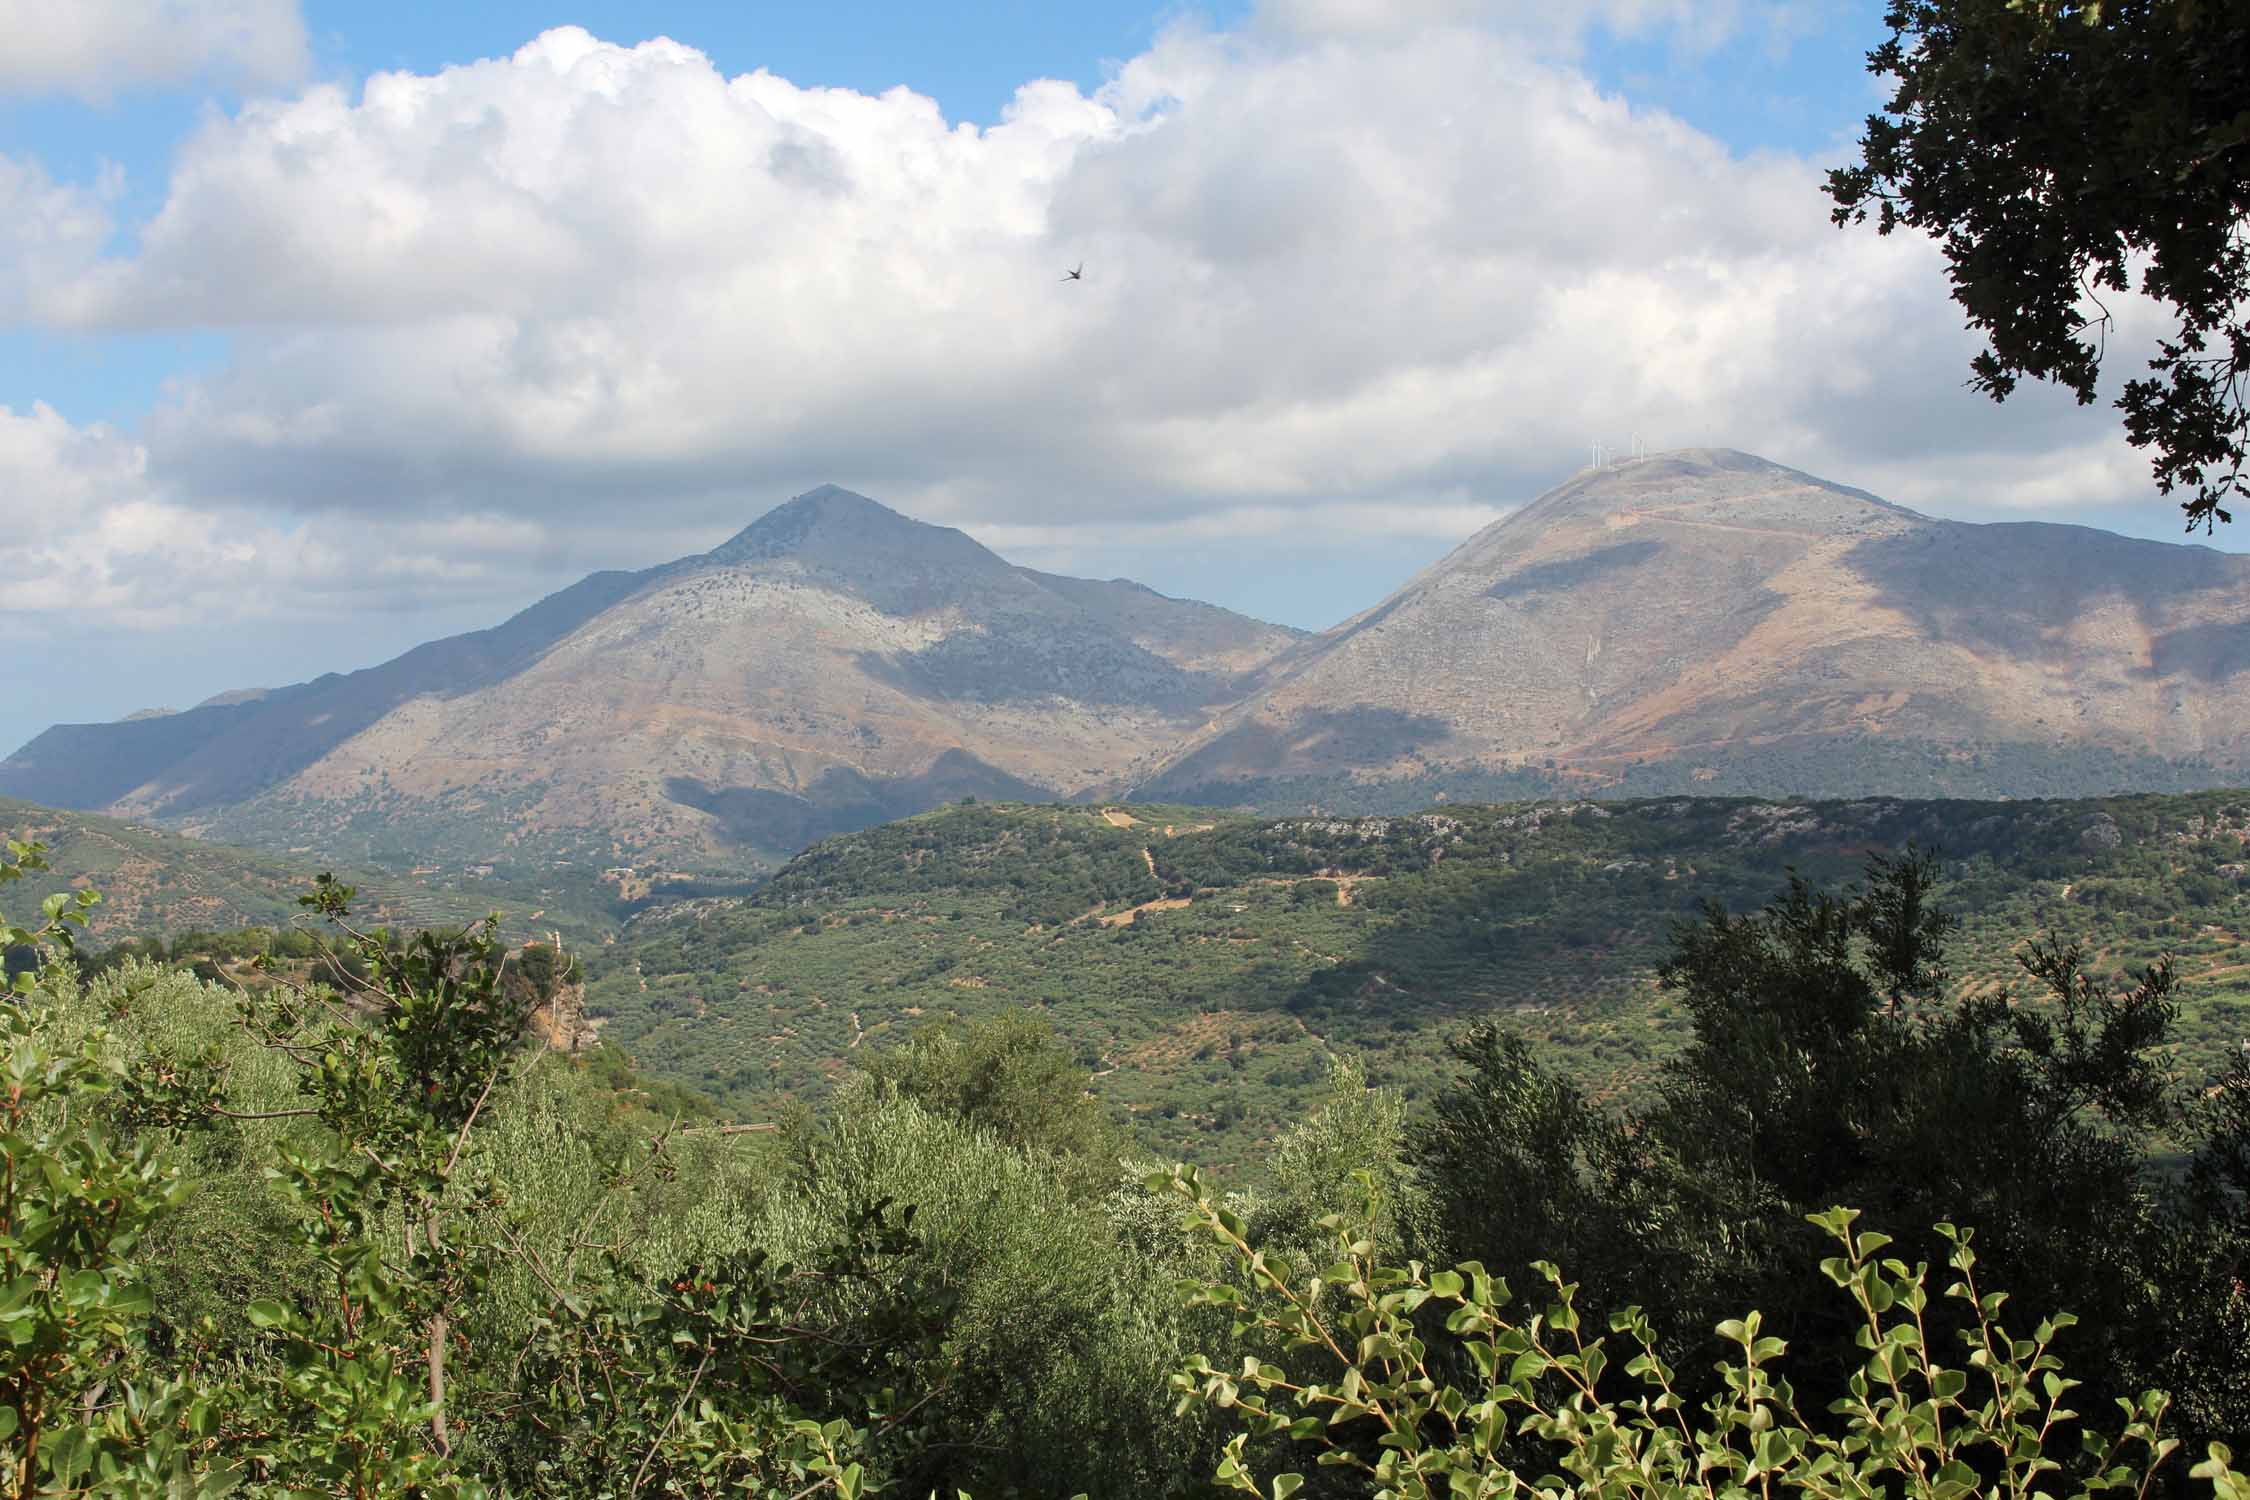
{"x": 161, "y": 884}
{"x": 1203, "y": 963}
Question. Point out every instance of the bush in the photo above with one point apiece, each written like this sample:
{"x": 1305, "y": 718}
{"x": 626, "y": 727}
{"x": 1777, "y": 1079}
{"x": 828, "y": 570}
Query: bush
{"x": 1549, "y": 1408}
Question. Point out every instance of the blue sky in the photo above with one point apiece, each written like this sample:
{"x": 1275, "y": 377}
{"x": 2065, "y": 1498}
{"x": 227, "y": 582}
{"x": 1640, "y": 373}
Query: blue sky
{"x": 369, "y": 344}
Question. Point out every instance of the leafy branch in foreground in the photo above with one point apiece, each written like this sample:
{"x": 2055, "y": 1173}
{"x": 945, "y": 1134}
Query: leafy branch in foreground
{"x": 1364, "y": 1391}
{"x": 398, "y": 1067}
{"x": 723, "y": 1379}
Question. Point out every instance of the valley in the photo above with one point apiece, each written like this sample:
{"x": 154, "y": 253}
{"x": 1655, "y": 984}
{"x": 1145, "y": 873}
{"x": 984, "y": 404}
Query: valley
{"x": 1204, "y": 966}
{"x": 847, "y": 775}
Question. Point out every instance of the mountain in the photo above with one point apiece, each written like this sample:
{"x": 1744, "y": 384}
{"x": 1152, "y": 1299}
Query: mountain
{"x": 1204, "y": 965}
{"x": 1701, "y": 621}
{"x": 832, "y": 665}
{"x": 1707, "y": 620}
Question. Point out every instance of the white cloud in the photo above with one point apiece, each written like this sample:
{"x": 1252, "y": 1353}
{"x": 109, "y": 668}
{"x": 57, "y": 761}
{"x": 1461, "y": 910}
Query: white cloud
{"x": 88, "y": 537}
{"x": 52, "y": 472}
{"x": 97, "y": 49}
{"x": 1339, "y": 278}
{"x": 84, "y": 535}
{"x": 51, "y": 234}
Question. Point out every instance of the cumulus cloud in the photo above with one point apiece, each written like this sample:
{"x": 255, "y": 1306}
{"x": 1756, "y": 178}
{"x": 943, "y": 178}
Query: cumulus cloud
{"x": 96, "y": 49}
{"x": 1343, "y": 275}
{"x": 50, "y": 235}
{"x": 84, "y": 534}
{"x": 90, "y": 538}
{"x": 51, "y": 471}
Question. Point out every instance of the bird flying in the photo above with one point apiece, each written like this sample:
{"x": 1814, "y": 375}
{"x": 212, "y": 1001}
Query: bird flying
{"x": 1075, "y": 275}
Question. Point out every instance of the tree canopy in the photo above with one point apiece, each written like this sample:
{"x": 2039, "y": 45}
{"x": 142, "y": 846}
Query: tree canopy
{"x": 2061, "y": 151}
{"x": 1835, "y": 1060}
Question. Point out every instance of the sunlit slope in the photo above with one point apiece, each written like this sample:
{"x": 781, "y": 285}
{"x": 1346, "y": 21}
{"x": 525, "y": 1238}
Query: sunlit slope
{"x": 833, "y": 665}
{"x": 1709, "y": 621}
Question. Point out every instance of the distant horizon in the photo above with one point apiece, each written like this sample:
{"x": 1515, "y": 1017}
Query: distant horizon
{"x": 1388, "y": 590}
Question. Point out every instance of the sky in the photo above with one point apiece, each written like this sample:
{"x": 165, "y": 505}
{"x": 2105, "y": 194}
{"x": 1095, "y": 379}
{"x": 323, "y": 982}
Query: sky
{"x": 327, "y": 327}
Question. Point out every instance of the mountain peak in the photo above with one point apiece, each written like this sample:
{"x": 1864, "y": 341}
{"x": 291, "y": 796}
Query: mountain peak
{"x": 836, "y": 497}
{"x": 1722, "y": 486}
{"x": 845, "y": 540}
{"x": 788, "y": 525}
{"x": 829, "y": 522}
{"x": 1708, "y": 611}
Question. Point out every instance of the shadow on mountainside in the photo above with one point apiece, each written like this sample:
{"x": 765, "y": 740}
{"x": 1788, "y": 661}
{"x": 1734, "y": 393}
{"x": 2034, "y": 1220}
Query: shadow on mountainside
{"x": 1047, "y": 661}
{"x": 843, "y": 800}
{"x": 2016, "y": 587}
{"x": 1336, "y": 737}
{"x": 1570, "y": 572}
{"x": 2208, "y": 653}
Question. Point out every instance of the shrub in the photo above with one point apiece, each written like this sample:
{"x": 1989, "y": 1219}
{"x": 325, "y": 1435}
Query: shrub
{"x": 1546, "y": 1408}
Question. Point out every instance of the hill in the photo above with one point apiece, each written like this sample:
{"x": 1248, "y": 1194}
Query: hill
{"x": 161, "y": 884}
{"x": 1204, "y": 964}
{"x": 1707, "y": 621}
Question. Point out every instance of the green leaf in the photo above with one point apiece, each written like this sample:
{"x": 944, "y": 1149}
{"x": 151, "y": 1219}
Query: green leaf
{"x": 71, "y": 1455}
{"x": 266, "y": 1313}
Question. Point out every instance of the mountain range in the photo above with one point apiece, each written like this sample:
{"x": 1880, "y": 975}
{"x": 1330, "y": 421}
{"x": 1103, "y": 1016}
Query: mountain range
{"x": 833, "y": 665}
{"x": 1696, "y": 621}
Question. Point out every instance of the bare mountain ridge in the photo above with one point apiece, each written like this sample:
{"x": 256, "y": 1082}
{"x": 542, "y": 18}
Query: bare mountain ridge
{"x": 220, "y": 753}
{"x": 1701, "y": 620}
{"x": 1707, "y": 611}
{"x": 833, "y": 664}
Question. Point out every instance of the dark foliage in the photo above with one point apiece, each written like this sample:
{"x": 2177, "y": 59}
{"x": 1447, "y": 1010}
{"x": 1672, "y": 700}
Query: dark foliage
{"x": 2064, "y": 150}
{"x": 1828, "y": 1065}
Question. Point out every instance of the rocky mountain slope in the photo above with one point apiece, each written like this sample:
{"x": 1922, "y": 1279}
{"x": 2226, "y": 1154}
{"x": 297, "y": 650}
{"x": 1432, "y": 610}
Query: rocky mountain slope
{"x": 1708, "y": 620}
{"x": 833, "y": 665}
{"x": 1697, "y": 621}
